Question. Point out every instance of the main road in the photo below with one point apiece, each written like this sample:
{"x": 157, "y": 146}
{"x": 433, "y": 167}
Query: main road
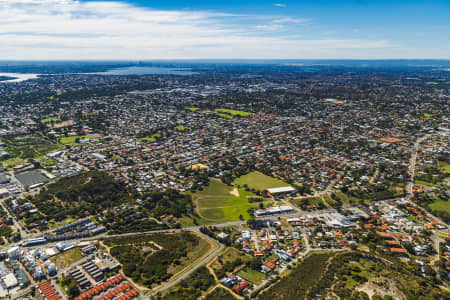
{"x": 412, "y": 166}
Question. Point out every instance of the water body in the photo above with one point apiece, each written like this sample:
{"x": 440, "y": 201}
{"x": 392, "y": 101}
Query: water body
{"x": 148, "y": 71}
{"x": 18, "y": 77}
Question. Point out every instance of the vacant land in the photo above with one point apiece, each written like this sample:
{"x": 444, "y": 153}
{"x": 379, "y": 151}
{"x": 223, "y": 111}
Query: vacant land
{"x": 258, "y": 181}
{"x": 192, "y": 287}
{"x": 29, "y": 147}
{"x": 314, "y": 202}
{"x": 216, "y": 204}
{"x": 228, "y": 261}
{"x": 343, "y": 197}
{"x": 152, "y": 259}
{"x": 220, "y": 294}
{"x": 329, "y": 202}
{"x": 12, "y": 162}
{"x": 352, "y": 275}
{"x": 228, "y": 255}
{"x": 298, "y": 283}
{"x": 67, "y": 258}
{"x": 235, "y": 112}
{"x": 80, "y": 195}
{"x": 73, "y": 139}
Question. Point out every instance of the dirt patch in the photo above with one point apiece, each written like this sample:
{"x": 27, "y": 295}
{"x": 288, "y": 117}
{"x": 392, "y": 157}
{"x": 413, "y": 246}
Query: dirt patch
{"x": 235, "y": 192}
{"x": 198, "y": 167}
{"x": 385, "y": 287}
{"x": 391, "y": 140}
{"x": 62, "y": 124}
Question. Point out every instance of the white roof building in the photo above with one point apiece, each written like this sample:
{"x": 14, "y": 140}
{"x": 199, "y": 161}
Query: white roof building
{"x": 285, "y": 189}
{"x": 14, "y": 252}
{"x": 10, "y": 281}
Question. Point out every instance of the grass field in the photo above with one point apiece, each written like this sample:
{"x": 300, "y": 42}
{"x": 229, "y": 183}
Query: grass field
{"x": 67, "y": 258}
{"x": 193, "y": 109}
{"x": 50, "y": 120}
{"x": 440, "y": 205}
{"x": 428, "y": 184}
{"x": 443, "y": 235}
{"x": 313, "y": 201}
{"x": 235, "y": 112}
{"x": 258, "y": 181}
{"x": 251, "y": 275}
{"x": 71, "y": 139}
{"x": 48, "y": 162}
{"x": 152, "y": 138}
{"x": 216, "y": 204}
{"x": 444, "y": 166}
{"x": 225, "y": 116}
{"x": 181, "y": 128}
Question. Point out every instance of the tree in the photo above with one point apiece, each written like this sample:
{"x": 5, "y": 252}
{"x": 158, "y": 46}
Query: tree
{"x": 251, "y": 223}
{"x": 72, "y": 288}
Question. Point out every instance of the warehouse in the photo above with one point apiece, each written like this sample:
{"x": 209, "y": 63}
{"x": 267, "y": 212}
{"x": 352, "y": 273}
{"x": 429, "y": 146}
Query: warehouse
{"x": 31, "y": 179}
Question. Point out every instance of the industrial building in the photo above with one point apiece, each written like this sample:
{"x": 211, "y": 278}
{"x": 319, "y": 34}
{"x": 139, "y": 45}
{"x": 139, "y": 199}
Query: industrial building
{"x": 31, "y": 179}
{"x": 273, "y": 210}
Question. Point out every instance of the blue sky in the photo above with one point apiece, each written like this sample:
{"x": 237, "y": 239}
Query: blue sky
{"x": 138, "y": 29}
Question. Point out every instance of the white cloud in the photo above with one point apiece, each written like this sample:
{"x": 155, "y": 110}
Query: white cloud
{"x": 69, "y": 29}
{"x": 279, "y": 5}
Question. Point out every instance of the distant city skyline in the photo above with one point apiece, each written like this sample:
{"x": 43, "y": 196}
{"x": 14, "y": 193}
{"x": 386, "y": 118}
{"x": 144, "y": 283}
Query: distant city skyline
{"x": 146, "y": 30}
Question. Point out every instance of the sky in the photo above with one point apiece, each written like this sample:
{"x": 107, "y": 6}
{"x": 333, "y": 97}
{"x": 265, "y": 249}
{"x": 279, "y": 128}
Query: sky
{"x": 215, "y": 29}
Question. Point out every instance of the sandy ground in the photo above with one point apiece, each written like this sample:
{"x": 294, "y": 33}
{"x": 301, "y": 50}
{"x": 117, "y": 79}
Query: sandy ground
{"x": 235, "y": 192}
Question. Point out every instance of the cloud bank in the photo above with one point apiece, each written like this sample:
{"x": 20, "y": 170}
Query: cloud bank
{"x": 69, "y": 29}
